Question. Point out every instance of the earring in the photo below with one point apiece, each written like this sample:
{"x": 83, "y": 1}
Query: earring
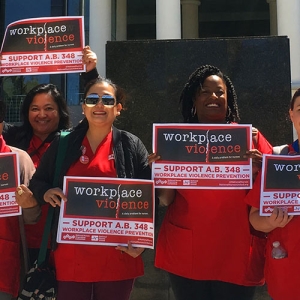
{"x": 118, "y": 113}
{"x": 83, "y": 112}
{"x": 193, "y": 111}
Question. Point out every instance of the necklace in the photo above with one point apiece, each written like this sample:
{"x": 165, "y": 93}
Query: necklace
{"x": 83, "y": 158}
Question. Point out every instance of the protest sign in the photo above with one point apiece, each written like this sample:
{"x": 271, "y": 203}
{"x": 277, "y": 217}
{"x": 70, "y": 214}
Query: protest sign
{"x": 202, "y": 156}
{"x": 107, "y": 211}
{"x": 280, "y": 184}
{"x": 43, "y": 45}
{"x": 9, "y": 180}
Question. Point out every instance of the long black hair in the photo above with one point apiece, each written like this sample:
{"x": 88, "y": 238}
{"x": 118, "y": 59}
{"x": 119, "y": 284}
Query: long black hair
{"x": 195, "y": 83}
{"x": 46, "y": 88}
{"x": 20, "y": 136}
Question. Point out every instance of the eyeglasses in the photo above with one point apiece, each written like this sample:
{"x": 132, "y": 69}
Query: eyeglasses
{"x": 92, "y": 99}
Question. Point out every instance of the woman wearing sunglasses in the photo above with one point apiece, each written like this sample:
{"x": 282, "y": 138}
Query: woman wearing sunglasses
{"x": 44, "y": 113}
{"x": 95, "y": 148}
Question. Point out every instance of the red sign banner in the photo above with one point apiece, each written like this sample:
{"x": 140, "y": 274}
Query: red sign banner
{"x": 107, "y": 211}
{"x": 202, "y": 156}
{"x": 43, "y": 45}
{"x": 9, "y": 180}
{"x": 280, "y": 184}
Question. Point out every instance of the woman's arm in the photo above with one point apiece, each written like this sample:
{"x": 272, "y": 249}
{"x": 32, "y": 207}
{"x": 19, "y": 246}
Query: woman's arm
{"x": 89, "y": 58}
{"x": 143, "y": 168}
{"x": 165, "y": 196}
{"x": 278, "y": 218}
{"x": 31, "y": 210}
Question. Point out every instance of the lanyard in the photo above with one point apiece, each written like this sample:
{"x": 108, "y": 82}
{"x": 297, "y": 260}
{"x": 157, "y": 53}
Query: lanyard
{"x": 295, "y": 145}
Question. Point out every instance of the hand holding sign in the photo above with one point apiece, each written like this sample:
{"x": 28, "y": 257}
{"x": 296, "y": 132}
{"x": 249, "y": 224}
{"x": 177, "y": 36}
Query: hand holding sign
{"x": 130, "y": 250}
{"x": 152, "y": 158}
{"x": 54, "y": 196}
{"x": 279, "y": 217}
{"x": 89, "y": 58}
{"x": 256, "y": 156}
{"x": 24, "y": 197}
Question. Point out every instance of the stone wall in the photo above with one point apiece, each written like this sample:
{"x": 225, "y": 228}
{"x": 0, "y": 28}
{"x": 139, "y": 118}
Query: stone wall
{"x": 153, "y": 74}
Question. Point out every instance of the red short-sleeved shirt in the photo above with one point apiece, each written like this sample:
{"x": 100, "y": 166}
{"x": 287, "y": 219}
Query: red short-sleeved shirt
{"x": 282, "y": 275}
{"x": 87, "y": 263}
{"x": 9, "y": 247}
{"x": 34, "y": 232}
{"x": 37, "y": 149}
{"x": 205, "y": 235}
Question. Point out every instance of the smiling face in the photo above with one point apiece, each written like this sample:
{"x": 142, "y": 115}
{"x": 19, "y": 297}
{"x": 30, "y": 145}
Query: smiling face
{"x": 43, "y": 115}
{"x": 100, "y": 115}
{"x": 295, "y": 115}
{"x": 211, "y": 101}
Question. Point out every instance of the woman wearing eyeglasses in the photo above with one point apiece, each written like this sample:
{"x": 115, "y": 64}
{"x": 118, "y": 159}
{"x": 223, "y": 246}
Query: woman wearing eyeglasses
{"x": 95, "y": 148}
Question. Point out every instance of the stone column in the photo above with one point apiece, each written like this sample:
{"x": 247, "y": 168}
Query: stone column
{"x": 273, "y": 17}
{"x": 100, "y": 30}
{"x": 289, "y": 25}
{"x": 121, "y": 20}
{"x": 190, "y": 20}
{"x": 168, "y": 20}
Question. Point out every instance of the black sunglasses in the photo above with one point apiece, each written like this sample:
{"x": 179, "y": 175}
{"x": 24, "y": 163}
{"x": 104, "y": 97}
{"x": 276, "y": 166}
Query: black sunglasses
{"x": 92, "y": 99}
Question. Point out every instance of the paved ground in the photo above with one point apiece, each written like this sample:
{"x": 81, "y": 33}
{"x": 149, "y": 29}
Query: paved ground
{"x": 154, "y": 285}
{"x": 261, "y": 293}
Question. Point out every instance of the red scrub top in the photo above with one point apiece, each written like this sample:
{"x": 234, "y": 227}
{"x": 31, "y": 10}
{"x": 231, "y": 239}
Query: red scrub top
{"x": 205, "y": 235}
{"x": 37, "y": 149}
{"x": 88, "y": 263}
{"x": 282, "y": 275}
{"x": 9, "y": 248}
{"x": 34, "y": 232}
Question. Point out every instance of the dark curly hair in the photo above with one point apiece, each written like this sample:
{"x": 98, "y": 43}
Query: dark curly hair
{"x": 195, "y": 83}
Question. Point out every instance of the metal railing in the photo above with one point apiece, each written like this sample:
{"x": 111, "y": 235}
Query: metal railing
{"x": 13, "y": 106}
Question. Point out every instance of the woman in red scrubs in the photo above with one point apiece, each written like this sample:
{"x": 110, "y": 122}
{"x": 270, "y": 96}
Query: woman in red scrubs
{"x": 95, "y": 148}
{"x": 282, "y": 275}
{"x": 10, "y": 261}
{"x": 205, "y": 242}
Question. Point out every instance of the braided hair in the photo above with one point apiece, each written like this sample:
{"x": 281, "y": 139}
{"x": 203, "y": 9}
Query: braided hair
{"x": 195, "y": 83}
